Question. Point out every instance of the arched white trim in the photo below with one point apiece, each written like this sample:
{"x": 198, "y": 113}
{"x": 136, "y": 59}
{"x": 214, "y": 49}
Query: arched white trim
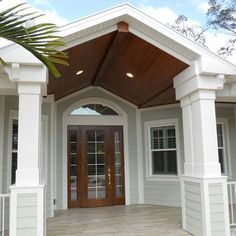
{"x": 96, "y": 100}
{"x": 69, "y": 119}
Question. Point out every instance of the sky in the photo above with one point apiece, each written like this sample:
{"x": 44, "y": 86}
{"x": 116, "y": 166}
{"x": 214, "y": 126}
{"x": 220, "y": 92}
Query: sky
{"x": 80, "y": 8}
{"x": 166, "y": 11}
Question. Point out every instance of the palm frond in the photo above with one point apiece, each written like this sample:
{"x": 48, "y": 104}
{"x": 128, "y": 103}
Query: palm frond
{"x": 41, "y": 39}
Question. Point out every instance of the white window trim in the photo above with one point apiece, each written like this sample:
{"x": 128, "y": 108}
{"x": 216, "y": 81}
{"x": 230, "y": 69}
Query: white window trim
{"x": 13, "y": 115}
{"x": 158, "y": 123}
{"x": 226, "y": 142}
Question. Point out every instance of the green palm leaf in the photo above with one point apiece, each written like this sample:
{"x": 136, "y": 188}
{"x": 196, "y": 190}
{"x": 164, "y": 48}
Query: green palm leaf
{"x": 40, "y": 39}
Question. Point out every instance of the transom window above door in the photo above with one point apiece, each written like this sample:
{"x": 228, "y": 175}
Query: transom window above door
{"x": 94, "y": 110}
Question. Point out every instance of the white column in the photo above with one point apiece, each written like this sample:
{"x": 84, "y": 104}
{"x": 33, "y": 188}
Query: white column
{"x": 200, "y": 134}
{"x": 29, "y": 134}
{"x": 27, "y": 196}
{"x": 203, "y": 187}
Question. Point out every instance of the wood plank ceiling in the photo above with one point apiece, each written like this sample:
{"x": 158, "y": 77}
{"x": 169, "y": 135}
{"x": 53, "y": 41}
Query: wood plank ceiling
{"x": 105, "y": 62}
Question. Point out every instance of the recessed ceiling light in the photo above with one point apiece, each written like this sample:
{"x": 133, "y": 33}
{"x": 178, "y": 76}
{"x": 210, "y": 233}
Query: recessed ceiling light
{"x": 130, "y": 75}
{"x": 79, "y": 72}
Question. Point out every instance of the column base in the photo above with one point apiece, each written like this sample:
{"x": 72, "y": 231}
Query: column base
{"x": 205, "y": 206}
{"x": 27, "y": 211}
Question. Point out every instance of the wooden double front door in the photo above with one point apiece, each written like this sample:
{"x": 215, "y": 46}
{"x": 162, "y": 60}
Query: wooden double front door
{"x": 95, "y": 166}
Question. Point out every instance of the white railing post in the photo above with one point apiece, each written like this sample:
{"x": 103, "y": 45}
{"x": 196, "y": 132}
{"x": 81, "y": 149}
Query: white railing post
{"x": 232, "y": 202}
{"x": 2, "y": 200}
{"x": 3, "y": 216}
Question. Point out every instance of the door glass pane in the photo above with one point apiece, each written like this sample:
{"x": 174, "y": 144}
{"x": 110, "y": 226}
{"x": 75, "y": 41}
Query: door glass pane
{"x": 96, "y": 164}
{"x": 118, "y": 164}
{"x": 73, "y": 155}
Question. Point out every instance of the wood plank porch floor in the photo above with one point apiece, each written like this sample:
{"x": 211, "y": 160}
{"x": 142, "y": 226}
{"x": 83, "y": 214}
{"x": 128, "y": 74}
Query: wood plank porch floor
{"x": 134, "y": 220}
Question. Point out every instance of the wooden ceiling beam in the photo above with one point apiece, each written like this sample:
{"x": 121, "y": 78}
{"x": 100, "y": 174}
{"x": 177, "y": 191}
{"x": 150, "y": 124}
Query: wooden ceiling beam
{"x": 156, "y": 95}
{"x": 119, "y": 39}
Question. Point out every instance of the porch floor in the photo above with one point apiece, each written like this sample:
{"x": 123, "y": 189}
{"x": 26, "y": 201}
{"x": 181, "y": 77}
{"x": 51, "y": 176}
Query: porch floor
{"x": 134, "y": 220}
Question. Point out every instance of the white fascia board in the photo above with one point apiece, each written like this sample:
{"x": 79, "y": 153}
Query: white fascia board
{"x": 14, "y": 53}
{"x": 213, "y": 65}
{"x": 94, "y": 20}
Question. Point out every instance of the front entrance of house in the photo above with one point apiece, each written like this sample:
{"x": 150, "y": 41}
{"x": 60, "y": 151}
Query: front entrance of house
{"x": 95, "y": 166}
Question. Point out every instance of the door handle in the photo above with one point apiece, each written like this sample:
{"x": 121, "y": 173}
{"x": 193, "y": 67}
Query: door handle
{"x": 109, "y": 176}
{"x": 109, "y": 179}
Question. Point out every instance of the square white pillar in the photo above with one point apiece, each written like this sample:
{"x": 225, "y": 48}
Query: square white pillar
{"x": 27, "y": 213}
{"x": 204, "y": 190}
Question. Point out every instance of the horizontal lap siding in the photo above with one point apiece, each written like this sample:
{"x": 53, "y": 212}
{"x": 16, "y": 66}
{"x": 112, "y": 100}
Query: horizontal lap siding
{"x": 193, "y": 207}
{"x": 216, "y": 208}
{"x": 27, "y": 214}
{"x": 162, "y": 193}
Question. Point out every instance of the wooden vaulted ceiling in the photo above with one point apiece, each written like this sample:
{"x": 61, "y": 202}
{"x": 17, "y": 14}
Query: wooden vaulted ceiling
{"x": 105, "y": 62}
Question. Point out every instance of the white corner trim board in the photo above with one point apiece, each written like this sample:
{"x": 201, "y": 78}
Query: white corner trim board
{"x": 140, "y": 157}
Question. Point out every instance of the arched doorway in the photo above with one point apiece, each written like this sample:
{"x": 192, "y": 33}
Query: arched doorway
{"x": 95, "y": 154}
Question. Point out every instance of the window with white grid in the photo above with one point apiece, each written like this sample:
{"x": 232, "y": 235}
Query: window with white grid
{"x": 163, "y": 150}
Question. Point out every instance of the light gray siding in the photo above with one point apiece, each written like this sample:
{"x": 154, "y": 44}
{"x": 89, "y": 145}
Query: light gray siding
{"x": 132, "y": 143}
{"x": 162, "y": 193}
{"x": 216, "y": 201}
{"x": 168, "y": 193}
{"x": 27, "y": 214}
{"x": 157, "y": 191}
{"x": 193, "y": 208}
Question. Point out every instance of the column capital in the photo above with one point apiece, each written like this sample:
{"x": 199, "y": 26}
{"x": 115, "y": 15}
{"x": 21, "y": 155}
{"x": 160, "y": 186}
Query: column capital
{"x": 187, "y": 86}
{"x": 196, "y": 96}
{"x": 29, "y": 88}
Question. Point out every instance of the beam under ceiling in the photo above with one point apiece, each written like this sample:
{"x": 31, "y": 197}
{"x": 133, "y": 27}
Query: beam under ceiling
{"x": 119, "y": 39}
